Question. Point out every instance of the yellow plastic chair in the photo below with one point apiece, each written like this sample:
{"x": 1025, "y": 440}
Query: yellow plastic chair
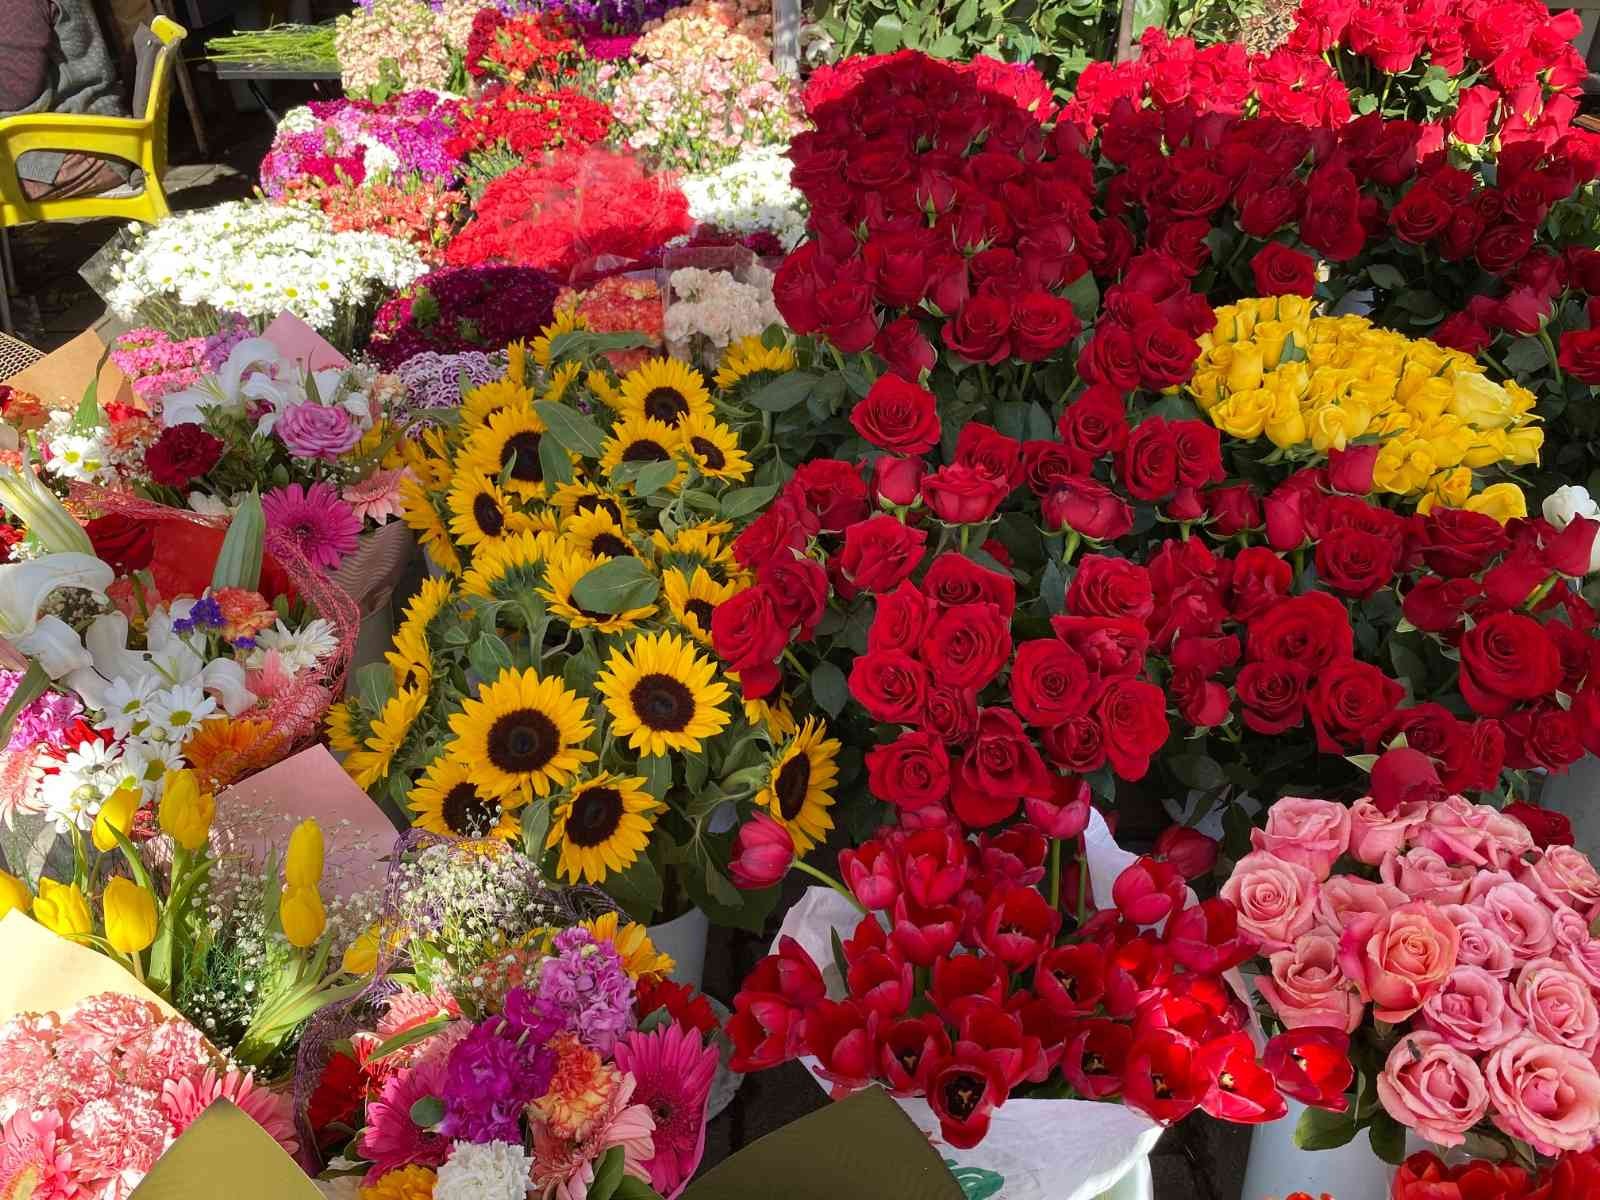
{"x": 140, "y": 140}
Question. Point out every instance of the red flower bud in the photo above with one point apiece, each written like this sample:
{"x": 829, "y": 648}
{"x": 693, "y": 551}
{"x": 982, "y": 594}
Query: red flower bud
{"x": 1187, "y": 849}
{"x": 1312, "y": 1064}
{"x": 1148, "y": 891}
{"x": 882, "y": 983}
{"x": 1064, "y": 813}
{"x": 762, "y": 853}
{"x": 872, "y": 873}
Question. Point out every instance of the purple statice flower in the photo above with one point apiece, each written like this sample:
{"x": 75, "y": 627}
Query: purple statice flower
{"x": 42, "y": 721}
{"x": 492, "y": 1075}
{"x": 584, "y": 988}
{"x": 206, "y": 613}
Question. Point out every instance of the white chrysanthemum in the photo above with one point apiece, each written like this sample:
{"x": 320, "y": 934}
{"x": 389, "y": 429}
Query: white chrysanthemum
{"x": 126, "y": 704}
{"x": 73, "y": 795}
{"x": 490, "y": 1171}
{"x": 298, "y": 649}
{"x": 176, "y": 712}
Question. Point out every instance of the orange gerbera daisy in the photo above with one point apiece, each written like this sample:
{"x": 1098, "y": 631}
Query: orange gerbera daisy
{"x": 222, "y": 750}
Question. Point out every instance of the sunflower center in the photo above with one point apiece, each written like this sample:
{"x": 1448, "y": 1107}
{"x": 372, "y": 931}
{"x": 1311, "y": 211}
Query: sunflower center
{"x": 488, "y": 515}
{"x": 665, "y": 404}
{"x": 715, "y": 459}
{"x": 645, "y": 450}
{"x": 521, "y": 454}
{"x": 791, "y": 785}
{"x": 596, "y": 815}
{"x": 662, "y": 702}
{"x": 701, "y": 611}
{"x": 610, "y": 545}
{"x": 467, "y": 814}
{"x": 523, "y": 740}
{"x": 600, "y": 504}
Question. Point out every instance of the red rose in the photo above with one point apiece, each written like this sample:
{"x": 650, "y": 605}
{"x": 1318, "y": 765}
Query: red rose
{"x": 898, "y": 481}
{"x": 1507, "y": 658}
{"x": 1165, "y": 353}
{"x": 1049, "y": 682}
{"x": 747, "y": 630}
{"x": 1464, "y": 332}
{"x": 1549, "y": 828}
{"x": 902, "y": 618}
{"x": 1087, "y": 507}
{"x": 182, "y": 454}
{"x": 1199, "y": 453}
{"x": 879, "y": 552}
{"x": 1421, "y": 214}
{"x": 1047, "y": 465}
{"x": 956, "y": 579}
{"x": 787, "y": 526}
{"x": 1109, "y": 358}
{"x": 902, "y": 344}
{"x": 1546, "y": 736}
{"x": 1110, "y": 587}
{"x": 1503, "y": 247}
{"x": 833, "y": 490}
{"x": 951, "y": 712}
{"x": 1579, "y": 355}
{"x": 1232, "y": 510}
{"x": 1350, "y": 469}
{"x": 967, "y": 645}
{"x": 911, "y": 772}
{"x": 1356, "y": 562}
{"x": 1456, "y": 542}
{"x": 981, "y": 330}
{"x": 1096, "y": 423}
{"x": 121, "y": 542}
{"x": 1041, "y": 324}
{"x": 1260, "y": 579}
{"x": 1149, "y": 463}
{"x": 991, "y": 452}
{"x": 1437, "y": 605}
{"x": 1268, "y": 209}
{"x": 898, "y": 416}
{"x": 794, "y": 289}
{"x": 1272, "y": 694}
{"x": 1350, "y": 704}
{"x": 799, "y": 591}
{"x": 997, "y": 771}
{"x": 846, "y": 316}
{"x": 1133, "y": 720}
{"x": 1331, "y": 224}
{"x": 961, "y": 495}
{"x": 1312, "y": 630}
{"x": 1280, "y": 271}
{"x": 890, "y": 685}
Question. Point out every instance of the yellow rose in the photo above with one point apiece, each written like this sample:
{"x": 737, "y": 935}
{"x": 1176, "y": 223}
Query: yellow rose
{"x": 1489, "y": 446}
{"x": 1430, "y": 399}
{"x": 63, "y": 908}
{"x": 302, "y": 865}
{"x": 1294, "y": 310}
{"x": 1286, "y": 423}
{"x": 302, "y": 915}
{"x": 1333, "y": 427}
{"x": 1243, "y": 414}
{"x": 1522, "y": 400}
{"x": 116, "y": 814}
{"x": 1450, "y": 488}
{"x": 1523, "y": 445}
{"x": 1269, "y": 338}
{"x": 1207, "y": 388}
{"x": 1480, "y": 401}
{"x": 130, "y": 914}
{"x": 186, "y": 812}
{"x": 1244, "y": 367}
{"x": 1403, "y": 467}
{"x": 1448, "y": 443}
{"x": 1502, "y": 501}
{"x": 14, "y": 894}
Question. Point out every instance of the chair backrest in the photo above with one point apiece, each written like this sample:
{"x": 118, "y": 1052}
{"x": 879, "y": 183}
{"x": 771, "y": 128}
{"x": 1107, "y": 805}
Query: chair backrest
{"x": 155, "y": 49}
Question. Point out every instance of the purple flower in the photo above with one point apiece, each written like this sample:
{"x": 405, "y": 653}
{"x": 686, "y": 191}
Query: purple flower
{"x": 493, "y": 1074}
{"x": 463, "y": 308}
{"x": 584, "y": 988}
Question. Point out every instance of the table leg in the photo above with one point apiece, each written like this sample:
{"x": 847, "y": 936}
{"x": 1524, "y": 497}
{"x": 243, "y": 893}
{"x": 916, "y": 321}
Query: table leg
{"x": 254, "y": 89}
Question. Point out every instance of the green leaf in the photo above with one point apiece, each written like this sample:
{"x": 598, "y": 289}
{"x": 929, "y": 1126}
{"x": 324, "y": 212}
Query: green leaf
{"x": 1408, "y": 664}
{"x": 374, "y": 686}
{"x": 637, "y": 890}
{"x": 743, "y": 501}
{"x": 569, "y": 427}
{"x": 1385, "y": 276}
{"x": 1197, "y": 771}
{"x": 654, "y": 477}
{"x": 1320, "y": 1129}
{"x": 1083, "y": 293}
{"x": 489, "y": 656}
{"x": 946, "y": 45}
{"x": 966, "y": 16}
{"x": 581, "y": 343}
{"x": 630, "y": 1188}
{"x": 410, "y": 1037}
{"x": 887, "y": 34}
{"x": 614, "y": 586}
{"x": 657, "y": 772}
{"x": 829, "y": 689}
{"x": 1525, "y": 355}
{"x": 784, "y": 392}
{"x": 535, "y": 829}
{"x": 607, "y": 1175}
{"x": 555, "y": 466}
{"x": 1388, "y": 1138}
{"x": 1292, "y": 351}
{"x": 428, "y": 1112}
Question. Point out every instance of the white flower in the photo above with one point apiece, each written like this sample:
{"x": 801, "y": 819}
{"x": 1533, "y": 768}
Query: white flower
{"x": 176, "y": 712}
{"x": 125, "y": 701}
{"x": 81, "y": 458}
{"x": 210, "y": 506}
{"x": 148, "y": 762}
{"x": 490, "y": 1171}
{"x": 73, "y": 795}
{"x": 1568, "y": 501}
{"x": 298, "y": 649}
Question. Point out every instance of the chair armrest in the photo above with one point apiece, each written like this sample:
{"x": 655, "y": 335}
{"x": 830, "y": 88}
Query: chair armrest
{"x": 116, "y": 137}
{"x": 70, "y": 124}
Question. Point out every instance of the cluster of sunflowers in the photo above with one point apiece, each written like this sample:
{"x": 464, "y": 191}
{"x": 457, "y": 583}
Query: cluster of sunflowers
{"x": 553, "y": 681}
{"x": 1311, "y": 384}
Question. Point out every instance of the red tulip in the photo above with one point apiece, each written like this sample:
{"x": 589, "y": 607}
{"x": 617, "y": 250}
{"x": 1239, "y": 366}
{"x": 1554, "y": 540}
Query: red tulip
{"x": 1014, "y": 855}
{"x": 1137, "y": 969}
{"x": 1189, "y": 1015}
{"x": 882, "y": 983}
{"x": 762, "y": 853}
{"x": 925, "y": 935}
{"x": 1072, "y": 979}
{"x": 1205, "y": 937}
{"x": 1094, "y": 1057}
{"x": 1312, "y": 1064}
{"x": 964, "y": 1088}
{"x": 1148, "y": 891}
{"x": 908, "y": 1050}
{"x": 1159, "y": 1078}
{"x": 872, "y": 874}
{"x": 846, "y": 1051}
{"x": 870, "y": 938}
{"x": 1001, "y": 1035}
{"x": 764, "y": 1030}
{"x": 1238, "y": 1089}
{"x": 933, "y": 865}
{"x": 1189, "y": 850}
{"x": 1048, "y": 1027}
{"x": 1018, "y": 926}
{"x": 790, "y": 975}
{"x": 1064, "y": 813}
{"x": 960, "y": 979}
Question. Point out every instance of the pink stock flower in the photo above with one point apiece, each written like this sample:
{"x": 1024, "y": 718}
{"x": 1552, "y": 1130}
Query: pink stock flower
{"x": 1430, "y": 1086}
{"x": 1399, "y": 959}
{"x": 673, "y": 1069}
{"x": 1277, "y": 900}
{"x": 1312, "y": 833}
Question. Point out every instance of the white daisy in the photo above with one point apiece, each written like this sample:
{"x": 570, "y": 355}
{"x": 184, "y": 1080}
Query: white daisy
{"x": 73, "y": 795}
{"x": 126, "y": 704}
{"x": 298, "y": 649}
{"x": 177, "y": 712}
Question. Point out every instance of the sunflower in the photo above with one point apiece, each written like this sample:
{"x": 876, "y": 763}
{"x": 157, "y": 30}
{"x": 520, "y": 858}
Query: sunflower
{"x": 749, "y": 363}
{"x": 639, "y": 439}
{"x": 507, "y": 445}
{"x": 424, "y": 520}
{"x": 224, "y": 748}
{"x": 693, "y": 598}
{"x": 344, "y": 727}
{"x": 604, "y": 389}
{"x": 663, "y": 695}
{"x": 487, "y": 399}
{"x": 698, "y": 545}
{"x": 517, "y": 361}
{"x": 665, "y": 390}
{"x": 582, "y": 497}
{"x": 772, "y": 712}
{"x": 523, "y": 734}
{"x": 481, "y": 512}
{"x": 449, "y": 801}
{"x": 601, "y": 827}
{"x": 510, "y": 568}
{"x": 798, "y": 789}
{"x": 714, "y": 448}
{"x": 409, "y": 658}
{"x": 565, "y": 567}
{"x": 597, "y": 535}
{"x": 389, "y": 729}
{"x": 562, "y": 378}
{"x": 565, "y": 320}
{"x": 632, "y": 944}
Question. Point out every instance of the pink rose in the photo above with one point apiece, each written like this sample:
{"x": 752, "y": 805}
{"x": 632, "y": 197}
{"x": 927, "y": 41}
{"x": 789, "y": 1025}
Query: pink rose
{"x": 1346, "y": 896}
{"x": 1576, "y": 948}
{"x": 1430, "y": 1086}
{"x": 1547, "y": 1095}
{"x": 1513, "y": 911}
{"x": 317, "y": 431}
{"x": 1277, "y": 900}
{"x": 1463, "y": 832}
{"x": 1480, "y": 945}
{"x": 1313, "y": 833}
{"x": 1557, "y": 1005}
{"x": 1398, "y": 960}
{"x": 1563, "y": 875}
{"x": 1421, "y": 874}
{"x": 1373, "y": 835}
{"x": 1307, "y": 987}
{"x": 1470, "y": 1011}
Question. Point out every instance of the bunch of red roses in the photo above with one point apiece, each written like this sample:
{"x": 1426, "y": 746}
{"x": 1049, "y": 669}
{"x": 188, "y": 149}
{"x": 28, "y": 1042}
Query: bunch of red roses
{"x": 1130, "y": 1006}
{"x": 525, "y": 50}
{"x": 1424, "y": 1176}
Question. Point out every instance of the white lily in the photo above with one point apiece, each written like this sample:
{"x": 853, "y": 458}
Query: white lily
{"x": 170, "y": 660}
{"x": 22, "y": 495}
{"x": 55, "y": 646}
{"x": 228, "y": 388}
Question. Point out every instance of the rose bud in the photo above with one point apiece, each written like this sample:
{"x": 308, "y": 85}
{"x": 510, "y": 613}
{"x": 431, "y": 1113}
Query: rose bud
{"x": 908, "y": 1049}
{"x": 1312, "y": 1065}
{"x": 963, "y": 1090}
{"x": 1185, "y": 505}
{"x": 1137, "y": 969}
{"x": 1148, "y": 891}
{"x": 925, "y": 935}
{"x": 898, "y": 480}
{"x": 1187, "y": 849}
{"x": 1205, "y": 938}
{"x": 1159, "y": 1079}
{"x": 1019, "y": 925}
{"x": 1237, "y": 1088}
{"x": 881, "y": 983}
{"x": 762, "y": 853}
{"x": 1064, "y": 813}
{"x": 933, "y": 865}
{"x": 1404, "y": 776}
{"x": 959, "y": 980}
{"x": 837, "y": 1034}
{"x": 1233, "y": 509}
{"x": 1350, "y": 469}
{"x": 872, "y": 874}
{"x": 1093, "y": 1058}
{"x": 1548, "y": 828}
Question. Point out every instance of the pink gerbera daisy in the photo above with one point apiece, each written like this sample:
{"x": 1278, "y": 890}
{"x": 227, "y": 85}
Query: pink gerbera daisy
{"x": 673, "y": 1069}
{"x": 320, "y": 524}
{"x": 392, "y": 1139}
{"x": 563, "y": 1168}
{"x": 184, "y": 1100}
{"x": 34, "y": 1155}
{"x": 377, "y": 498}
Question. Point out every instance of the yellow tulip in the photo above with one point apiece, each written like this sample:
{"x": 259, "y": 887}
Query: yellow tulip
{"x": 14, "y": 894}
{"x": 63, "y": 908}
{"x": 361, "y": 955}
{"x": 116, "y": 814}
{"x": 186, "y": 811}
{"x": 302, "y": 865}
{"x": 1502, "y": 501}
{"x": 302, "y": 915}
{"x": 130, "y": 914}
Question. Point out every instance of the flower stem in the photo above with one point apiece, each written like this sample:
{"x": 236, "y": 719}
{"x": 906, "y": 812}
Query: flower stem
{"x": 1083, "y": 879}
{"x": 1055, "y": 873}
{"x": 806, "y": 868}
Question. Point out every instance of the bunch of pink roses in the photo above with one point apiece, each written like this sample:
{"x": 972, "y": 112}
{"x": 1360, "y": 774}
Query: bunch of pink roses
{"x": 1455, "y": 950}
